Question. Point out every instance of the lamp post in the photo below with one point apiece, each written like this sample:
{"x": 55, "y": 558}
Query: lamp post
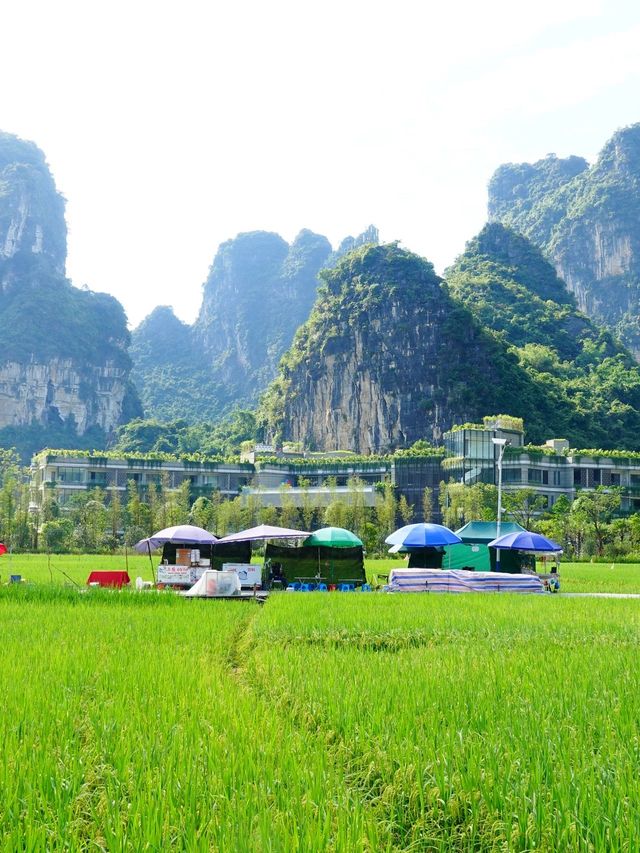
{"x": 34, "y": 513}
{"x": 501, "y": 443}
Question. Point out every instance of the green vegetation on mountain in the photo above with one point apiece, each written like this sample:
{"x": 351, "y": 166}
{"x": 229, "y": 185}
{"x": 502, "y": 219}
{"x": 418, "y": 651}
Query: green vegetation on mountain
{"x": 45, "y": 317}
{"x": 591, "y": 378}
{"x": 388, "y": 357}
{"x": 169, "y": 373}
{"x": 179, "y": 438}
{"x": 64, "y": 366}
{"x": 258, "y": 292}
{"x": 585, "y": 219}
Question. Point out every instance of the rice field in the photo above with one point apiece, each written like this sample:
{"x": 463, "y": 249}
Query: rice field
{"x": 319, "y": 722}
{"x": 64, "y": 569}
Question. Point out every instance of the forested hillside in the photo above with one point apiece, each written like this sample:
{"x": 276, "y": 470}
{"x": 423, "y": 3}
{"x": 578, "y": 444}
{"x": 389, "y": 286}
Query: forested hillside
{"x": 258, "y": 292}
{"x": 587, "y": 222}
{"x": 592, "y": 381}
{"x": 64, "y": 365}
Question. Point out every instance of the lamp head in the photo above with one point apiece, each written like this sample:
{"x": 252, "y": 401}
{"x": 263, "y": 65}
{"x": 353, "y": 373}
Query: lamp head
{"x": 500, "y": 442}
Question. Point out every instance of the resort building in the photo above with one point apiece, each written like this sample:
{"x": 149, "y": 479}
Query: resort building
{"x": 470, "y": 454}
{"x": 552, "y": 470}
{"x": 65, "y": 473}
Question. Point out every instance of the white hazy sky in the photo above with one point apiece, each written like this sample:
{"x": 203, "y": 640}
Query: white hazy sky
{"x": 172, "y": 126}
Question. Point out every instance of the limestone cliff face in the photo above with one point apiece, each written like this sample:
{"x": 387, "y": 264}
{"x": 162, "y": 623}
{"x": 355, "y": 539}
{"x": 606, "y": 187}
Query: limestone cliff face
{"x": 587, "y": 221}
{"x": 63, "y": 352}
{"x": 387, "y": 358}
{"x": 31, "y": 211}
{"x": 259, "y": 291}
{"x": 54, "y": 393}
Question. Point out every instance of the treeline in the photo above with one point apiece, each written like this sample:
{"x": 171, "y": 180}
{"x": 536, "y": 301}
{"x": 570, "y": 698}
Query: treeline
{"x": 589, "y": 526}
{"x": 98, "y": 520}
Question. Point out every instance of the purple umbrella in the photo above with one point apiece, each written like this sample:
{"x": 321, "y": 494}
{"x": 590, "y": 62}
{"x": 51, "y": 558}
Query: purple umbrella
{"x": 182, "y": 534}
{"x": 265, "y": 531}
{"x": 525, "y": 541}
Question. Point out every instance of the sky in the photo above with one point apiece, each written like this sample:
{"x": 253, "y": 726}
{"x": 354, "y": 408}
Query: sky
{"x": 171, "y": 127}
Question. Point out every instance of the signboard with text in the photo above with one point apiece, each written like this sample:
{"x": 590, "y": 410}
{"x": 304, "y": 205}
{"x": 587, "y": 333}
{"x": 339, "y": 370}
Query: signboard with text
{"x": 250, "y": 574}
{"x": 179, "y": 575}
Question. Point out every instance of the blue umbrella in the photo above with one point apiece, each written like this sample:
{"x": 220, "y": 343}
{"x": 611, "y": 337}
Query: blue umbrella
{"x": 423, "y": 535}
{"x": 525, "y": 541}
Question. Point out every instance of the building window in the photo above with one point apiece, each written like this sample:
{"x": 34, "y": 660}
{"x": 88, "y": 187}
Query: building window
{"x": 534, "y": 475}
{"x": 71, "y": 475}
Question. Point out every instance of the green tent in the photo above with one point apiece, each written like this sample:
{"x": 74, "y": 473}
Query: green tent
{"x": 474, "y": 554}
{"x": 333, "y": 564}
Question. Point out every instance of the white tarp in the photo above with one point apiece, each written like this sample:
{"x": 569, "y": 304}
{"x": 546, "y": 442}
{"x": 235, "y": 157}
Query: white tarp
{"x": 214, "y": 583}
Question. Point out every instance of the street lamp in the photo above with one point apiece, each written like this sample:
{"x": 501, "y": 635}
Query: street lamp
{"x": 34, "y": 512}
{"x": 501, "y": 443}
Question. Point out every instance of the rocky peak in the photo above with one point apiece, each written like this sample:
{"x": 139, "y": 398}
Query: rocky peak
{"x": 64, "y": 366}
{"x": 387, "y": 358}
{"x": 587, "y": 225}
{"x": 621, "y": 153}
{"x": 498, "y": 244}
{"x": 31, "y": 210}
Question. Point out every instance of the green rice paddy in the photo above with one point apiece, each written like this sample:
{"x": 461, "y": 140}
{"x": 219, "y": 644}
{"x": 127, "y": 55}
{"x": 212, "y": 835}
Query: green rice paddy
{"x": 319, "y": 722}
{"x": 75, "y": 568}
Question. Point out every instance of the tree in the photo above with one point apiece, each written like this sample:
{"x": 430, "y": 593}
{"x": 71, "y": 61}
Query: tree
{"x": 335, "y": 515}
{"x": 137, "y": 515}
{"x": 202, "y": 513}
{"x": 56, "y": 535}
{"x": 250, "y": 511}
{"x": 288, "y": 511}
{"x": 595, "y": 509}
{"x": 561, "y": 526}
{"x": 178, "y": 504}
{"x": 461, "y": 503}
{"x": 309, "y": 507}
{"x": 89, "y": 517}
{"x": 427, "y": 504}
{"x": 523, "y": 506}
{"x": 268, "y": 514}
{"x": 9, "y": 495}
{"x": 357, "y": 511}
{"x": 405, "y": 510}
{"x": 386, "y": 511}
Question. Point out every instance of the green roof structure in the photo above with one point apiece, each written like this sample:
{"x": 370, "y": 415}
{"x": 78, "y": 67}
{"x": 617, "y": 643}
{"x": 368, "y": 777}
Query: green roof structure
{"x": 482, "y": 532}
